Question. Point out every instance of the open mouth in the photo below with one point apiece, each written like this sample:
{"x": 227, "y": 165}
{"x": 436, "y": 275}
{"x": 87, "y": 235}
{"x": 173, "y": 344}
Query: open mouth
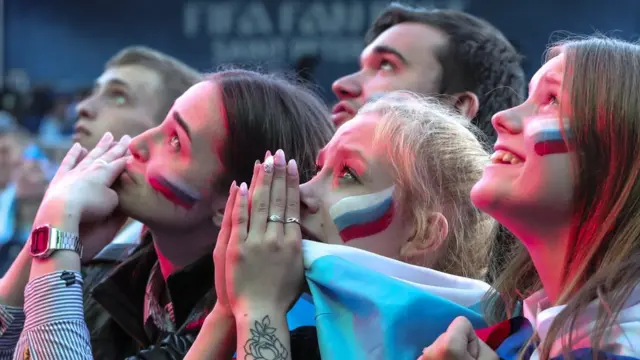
{"x": 505, "y": 157}
{"x": 342, "y": 113}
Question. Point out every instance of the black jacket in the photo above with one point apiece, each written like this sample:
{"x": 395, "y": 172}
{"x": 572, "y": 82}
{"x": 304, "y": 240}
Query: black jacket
{"x": 114, "y": 309}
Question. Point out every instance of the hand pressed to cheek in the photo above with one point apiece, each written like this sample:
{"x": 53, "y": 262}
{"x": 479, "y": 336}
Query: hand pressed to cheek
{"x": 363, "y": 215}
{"x": 548, "y": 136}
{"x": 107, "y": 159}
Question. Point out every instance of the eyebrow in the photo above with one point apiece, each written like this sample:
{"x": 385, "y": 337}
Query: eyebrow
{"x": 347, "y": 152}
{"x": 116, "y": 82}
{"x": 384, "y": 49}
{"x": 550, "y": 78}
{"x": 182, "y": 123}
{"x": 553, "y": 78}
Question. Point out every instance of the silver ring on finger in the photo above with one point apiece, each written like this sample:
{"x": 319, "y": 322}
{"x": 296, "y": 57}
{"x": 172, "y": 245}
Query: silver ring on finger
{"x": 101, "y": 161}
{"x": 275, "y": 218}
{"x": 292, "y": 220}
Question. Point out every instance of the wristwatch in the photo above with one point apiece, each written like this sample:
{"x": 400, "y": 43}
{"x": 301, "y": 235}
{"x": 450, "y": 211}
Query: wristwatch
{"x": 45, "y": 240}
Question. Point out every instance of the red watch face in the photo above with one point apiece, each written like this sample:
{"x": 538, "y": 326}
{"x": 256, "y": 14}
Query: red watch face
{"x": 40, "y": 241}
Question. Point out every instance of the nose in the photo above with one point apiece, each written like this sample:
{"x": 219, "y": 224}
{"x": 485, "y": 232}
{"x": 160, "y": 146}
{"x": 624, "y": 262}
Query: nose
{"x": 86, "y": 109}
{"x": 347, "y": 87}
{"x": 139, "y": 147}
{"x": 309, "y": 202}
{"x": 507, "y": 121}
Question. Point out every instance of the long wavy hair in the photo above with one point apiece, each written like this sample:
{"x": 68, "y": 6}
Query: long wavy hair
{"x": 602, "y": 77}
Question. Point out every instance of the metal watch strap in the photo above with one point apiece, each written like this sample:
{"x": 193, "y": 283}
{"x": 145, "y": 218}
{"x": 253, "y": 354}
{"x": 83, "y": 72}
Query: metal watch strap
{"x": 66, "y": 241}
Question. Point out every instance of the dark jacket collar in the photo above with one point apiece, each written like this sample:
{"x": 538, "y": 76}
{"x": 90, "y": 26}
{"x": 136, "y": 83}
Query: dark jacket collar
{"x": 121, "y": 293}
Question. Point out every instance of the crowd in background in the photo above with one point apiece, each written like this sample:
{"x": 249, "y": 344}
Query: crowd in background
{"x": 36, "y": 126}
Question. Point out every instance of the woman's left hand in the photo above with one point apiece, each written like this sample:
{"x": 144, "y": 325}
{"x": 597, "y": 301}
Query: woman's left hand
{"x": 264, "y": 267}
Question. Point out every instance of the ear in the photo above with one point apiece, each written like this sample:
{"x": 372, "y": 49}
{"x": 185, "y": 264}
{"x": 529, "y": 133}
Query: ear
{"x": 423, "y": 249}
{"x": 218, "y": 210}
{"x": 467, "y": 104}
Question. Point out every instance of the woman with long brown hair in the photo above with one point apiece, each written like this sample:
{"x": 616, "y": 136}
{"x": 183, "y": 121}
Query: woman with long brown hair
{"x": 565, "y": 180}
{"x": 174, "y": 180}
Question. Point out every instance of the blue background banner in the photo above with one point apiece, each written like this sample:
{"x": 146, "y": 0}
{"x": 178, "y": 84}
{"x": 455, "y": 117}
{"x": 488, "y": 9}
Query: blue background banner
{"x": 66, "y": 42}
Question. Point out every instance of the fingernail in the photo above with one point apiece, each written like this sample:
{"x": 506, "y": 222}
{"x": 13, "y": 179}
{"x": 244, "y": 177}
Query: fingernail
{"x": 75, "y": 146}
{"x": 280, "y": 161}
{"x": 267, "y": 154}
{"x": 107, "y": 137}
{"x": 268, "y": 164}
{"x": 292, "y": 168}
{"x": 243, "y": 189}
{"x": 256, "y": 163}
{"x": 232, "y": 185}
{"x": 125, "y": 139}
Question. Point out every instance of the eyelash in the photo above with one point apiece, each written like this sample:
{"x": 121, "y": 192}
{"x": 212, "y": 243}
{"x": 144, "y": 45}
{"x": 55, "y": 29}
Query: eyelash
{"x": 177, "y": 147}
{"x": 345, "y": 170}
{"x": 118, "y": 94}
{"x": 384, "y": 62}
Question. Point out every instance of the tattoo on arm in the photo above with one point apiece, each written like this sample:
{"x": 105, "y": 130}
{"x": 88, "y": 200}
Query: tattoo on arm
{"x": 263, "y": 343}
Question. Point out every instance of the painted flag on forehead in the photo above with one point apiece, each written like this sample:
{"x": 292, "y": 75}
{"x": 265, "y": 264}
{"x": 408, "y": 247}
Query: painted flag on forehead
{"x": 372, "y": 307}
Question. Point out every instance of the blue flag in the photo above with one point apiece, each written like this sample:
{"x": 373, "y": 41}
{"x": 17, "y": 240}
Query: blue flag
{"x": 373, "y": 307}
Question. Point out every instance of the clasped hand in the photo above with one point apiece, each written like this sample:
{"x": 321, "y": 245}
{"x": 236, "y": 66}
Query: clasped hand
{"x": 258, "y": 254}
{"x": 79, "y": 197}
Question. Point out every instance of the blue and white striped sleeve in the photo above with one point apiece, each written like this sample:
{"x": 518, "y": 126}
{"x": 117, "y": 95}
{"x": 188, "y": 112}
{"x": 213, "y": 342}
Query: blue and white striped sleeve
{"x": 11, "y": 323}
{"x": 54, "y": 327}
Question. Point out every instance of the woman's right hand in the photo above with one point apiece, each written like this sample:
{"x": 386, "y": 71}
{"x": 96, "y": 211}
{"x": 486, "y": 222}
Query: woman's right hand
{"x": 80, "y": 197}
{"x": 222, "y": 243}
{"x": 459, "y": 342}
{"x": 219, "y": 254}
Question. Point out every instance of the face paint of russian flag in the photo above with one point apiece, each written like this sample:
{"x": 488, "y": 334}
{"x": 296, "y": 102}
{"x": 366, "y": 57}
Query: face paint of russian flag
{"x": 548, "y": 137}
{"x": 364, "y": 215}
{"x": 175, "y": 190}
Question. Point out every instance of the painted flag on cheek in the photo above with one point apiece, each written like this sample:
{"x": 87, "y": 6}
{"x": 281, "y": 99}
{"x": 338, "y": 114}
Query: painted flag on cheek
{"x": 373, "y": 307}
{"x": 363, "y": 215}
{"x": 175, "y": 190}
{"x": 549, "y": 138}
